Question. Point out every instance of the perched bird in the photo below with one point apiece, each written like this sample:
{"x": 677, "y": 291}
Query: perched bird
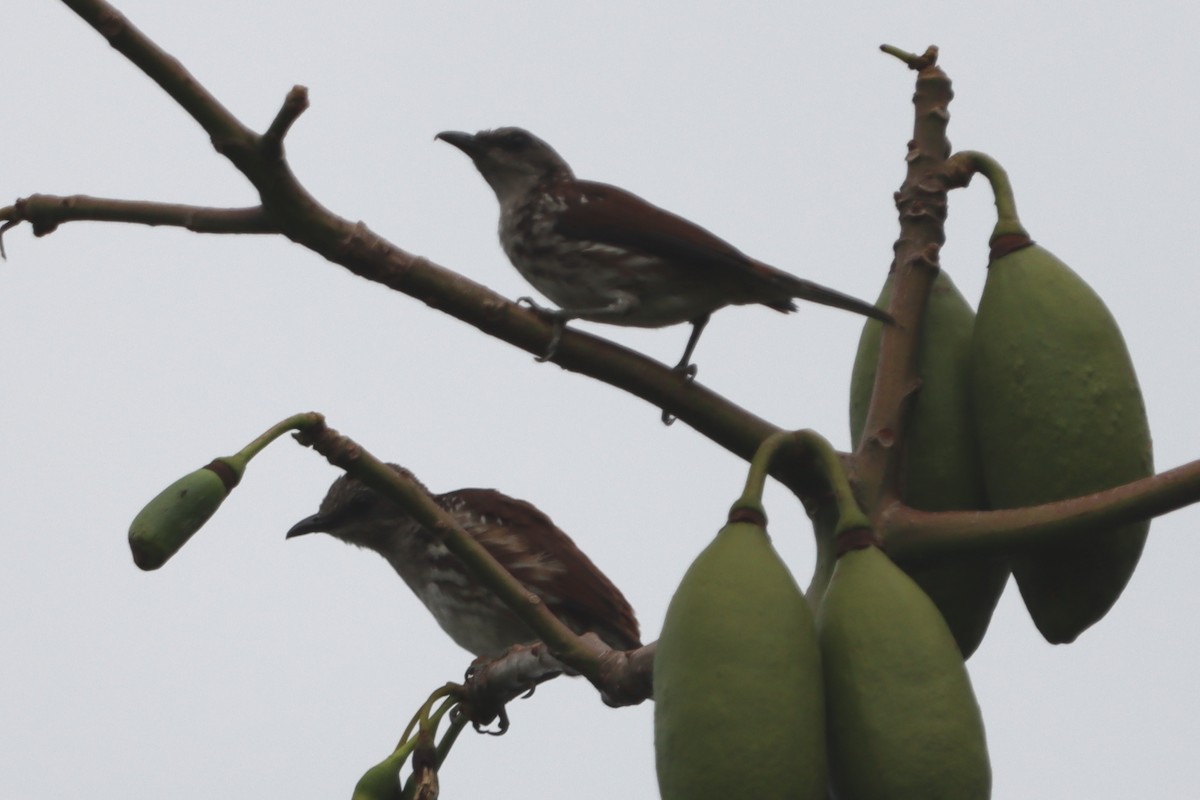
{"x": 605, "y": 255}
{"x": 518, "y": 535}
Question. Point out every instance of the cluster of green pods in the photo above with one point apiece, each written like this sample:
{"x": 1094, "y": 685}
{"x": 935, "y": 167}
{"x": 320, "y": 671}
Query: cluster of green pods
{"x": 756, "y": 697}
{"x": 1032, "y": 401}
{"x": 860, "y": 690}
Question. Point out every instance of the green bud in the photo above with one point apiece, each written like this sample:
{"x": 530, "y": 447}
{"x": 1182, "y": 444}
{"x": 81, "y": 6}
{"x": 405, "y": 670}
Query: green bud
{"x": 170, "y": 519}
{"x": 382, "y": 781}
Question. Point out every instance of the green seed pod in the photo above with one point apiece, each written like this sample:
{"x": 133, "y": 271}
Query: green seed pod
{"x": 382, "y": 781}
{"x": 739, "y": 709}
{"x": 942, "y": 467}
{"x": 1059, "y": 415}
{"x": 903, "y": 720}
{"x": 170, "y": 519}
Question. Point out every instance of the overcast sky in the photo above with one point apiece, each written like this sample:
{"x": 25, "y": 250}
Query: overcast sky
{"x": 251, "y": 666}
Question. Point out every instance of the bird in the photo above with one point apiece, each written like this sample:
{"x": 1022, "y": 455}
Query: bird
{"x": 603, "y": 254}
{"x": 518, "y": 535}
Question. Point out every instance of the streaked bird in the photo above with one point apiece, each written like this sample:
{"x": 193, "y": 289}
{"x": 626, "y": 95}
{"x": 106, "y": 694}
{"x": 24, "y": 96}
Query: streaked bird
{"x": 517, "y": 534}
{"x": 605, "y": 255}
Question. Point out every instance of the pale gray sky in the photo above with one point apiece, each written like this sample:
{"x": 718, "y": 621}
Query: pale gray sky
{"x": 253, "y": 667}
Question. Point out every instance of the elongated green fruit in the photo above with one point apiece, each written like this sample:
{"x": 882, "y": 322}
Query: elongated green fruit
{"x": 170, "y": 519}
{"x": 903, "y": 720}
{"x": 1059, "y": 415}
{"x": 739, "y": 710}
{"x": 942, "y": 469}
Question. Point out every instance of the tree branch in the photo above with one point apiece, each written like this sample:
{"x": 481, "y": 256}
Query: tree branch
{"x": 295, "y": 104}
{"x": 163, "y": 69}
{"x": 624, "y": 677}
{"x": 921, "y": 537}
{"x": 45, "y": 212}
{"x": 922, "y": 203}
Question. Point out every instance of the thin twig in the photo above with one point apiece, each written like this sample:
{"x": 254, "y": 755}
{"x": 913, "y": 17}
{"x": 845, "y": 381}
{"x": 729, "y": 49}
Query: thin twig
{"x": 45, "y": 212}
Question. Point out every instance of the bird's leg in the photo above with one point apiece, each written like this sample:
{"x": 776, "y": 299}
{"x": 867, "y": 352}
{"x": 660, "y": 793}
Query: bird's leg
{"x": 559, "y": 317}
{"x": 685, "y": 367}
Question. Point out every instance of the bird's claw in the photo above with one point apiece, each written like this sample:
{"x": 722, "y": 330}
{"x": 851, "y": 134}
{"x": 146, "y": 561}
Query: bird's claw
{"x": 688, "y": 371}
{"x": 480, "y": 721}
{"x": 501, "y": 725}
{"x": 555, "y": 339}
{"x": 557, "y": 319}
{"x": 533, "y": 305}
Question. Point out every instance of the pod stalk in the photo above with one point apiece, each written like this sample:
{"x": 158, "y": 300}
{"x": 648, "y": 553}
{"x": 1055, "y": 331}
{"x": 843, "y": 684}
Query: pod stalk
{"x": 850, "y": 515}
{"x": 1008, "y": 224}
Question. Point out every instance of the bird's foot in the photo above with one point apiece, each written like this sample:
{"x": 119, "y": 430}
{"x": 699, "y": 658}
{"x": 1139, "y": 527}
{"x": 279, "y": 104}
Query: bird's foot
{"x": 537, "y": 307}
{"x": 501, "y": 728}
{"x": 688, "y": 371}
{"x": 557, "y": 318}
{"x": 480, "y": 708}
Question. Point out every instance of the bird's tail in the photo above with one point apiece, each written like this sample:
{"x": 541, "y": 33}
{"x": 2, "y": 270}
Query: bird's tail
{"x": 815, "y": 293}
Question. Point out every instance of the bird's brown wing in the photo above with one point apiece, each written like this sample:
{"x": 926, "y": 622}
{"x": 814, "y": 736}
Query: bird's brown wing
{"x": 606, "y": 214}
{"x": 552, "y": 566}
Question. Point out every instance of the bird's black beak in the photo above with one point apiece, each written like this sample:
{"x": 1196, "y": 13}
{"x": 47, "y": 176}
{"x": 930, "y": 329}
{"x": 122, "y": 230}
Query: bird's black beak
{"x": 463, "y": 141}
{"x": 314, "y": 524}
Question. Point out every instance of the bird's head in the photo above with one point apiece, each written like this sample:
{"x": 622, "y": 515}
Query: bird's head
{"x": 513, "y": 161}
{"x": 358, "y": 515}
